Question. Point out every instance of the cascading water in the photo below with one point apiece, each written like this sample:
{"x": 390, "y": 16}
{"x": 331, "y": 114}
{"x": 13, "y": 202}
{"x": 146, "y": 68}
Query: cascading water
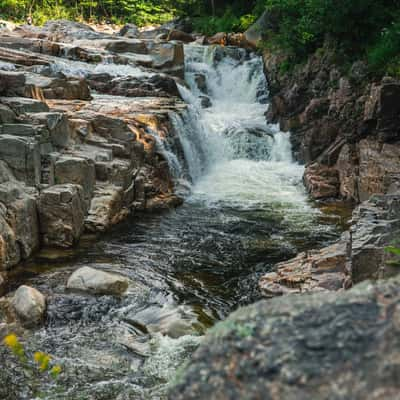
{"x": 189, "y": 268}
{"x": 233, "y": 156}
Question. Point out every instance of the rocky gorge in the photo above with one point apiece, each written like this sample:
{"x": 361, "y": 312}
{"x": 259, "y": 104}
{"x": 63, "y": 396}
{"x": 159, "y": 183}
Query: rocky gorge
{"x": 99, "y": 131}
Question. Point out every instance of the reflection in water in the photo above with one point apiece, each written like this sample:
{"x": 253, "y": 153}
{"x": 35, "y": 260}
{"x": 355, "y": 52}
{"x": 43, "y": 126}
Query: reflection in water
{"x": 189, "y": 268}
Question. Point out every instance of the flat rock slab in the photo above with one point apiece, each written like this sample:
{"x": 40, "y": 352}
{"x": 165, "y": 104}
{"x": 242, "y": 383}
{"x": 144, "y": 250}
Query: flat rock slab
{"x": 94, "y": 281}
{"x": 322, "y": 346}
{"x": 314, "y": 271}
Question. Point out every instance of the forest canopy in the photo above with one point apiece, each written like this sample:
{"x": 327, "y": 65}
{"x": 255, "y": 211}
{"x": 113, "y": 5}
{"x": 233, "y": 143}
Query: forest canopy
{"x": 368, "y": 29}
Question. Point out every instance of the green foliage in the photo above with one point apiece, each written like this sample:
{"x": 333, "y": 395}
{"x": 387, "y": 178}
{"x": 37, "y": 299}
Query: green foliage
{"x": 395, "y": 251}
{"x": 384, "y": 56}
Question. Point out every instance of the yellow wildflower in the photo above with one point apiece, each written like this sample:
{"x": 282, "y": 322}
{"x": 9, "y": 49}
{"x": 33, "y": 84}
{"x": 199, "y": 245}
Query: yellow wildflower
{"x": 55, "y": 371}
{"x": 11, "y": 341}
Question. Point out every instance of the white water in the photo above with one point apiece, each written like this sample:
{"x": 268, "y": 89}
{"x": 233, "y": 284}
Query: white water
{"x": 233, "y": 156}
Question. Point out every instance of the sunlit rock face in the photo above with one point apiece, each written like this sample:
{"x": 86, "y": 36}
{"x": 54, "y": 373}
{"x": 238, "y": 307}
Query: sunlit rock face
{"x": 93, "y": 158}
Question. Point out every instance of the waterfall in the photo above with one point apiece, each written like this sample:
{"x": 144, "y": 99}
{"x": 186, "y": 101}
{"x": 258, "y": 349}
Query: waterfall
{"x": 231, "y": 153}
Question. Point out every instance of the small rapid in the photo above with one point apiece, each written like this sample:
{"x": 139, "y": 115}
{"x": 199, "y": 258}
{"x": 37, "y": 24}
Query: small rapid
{"x": 245, "y": 210}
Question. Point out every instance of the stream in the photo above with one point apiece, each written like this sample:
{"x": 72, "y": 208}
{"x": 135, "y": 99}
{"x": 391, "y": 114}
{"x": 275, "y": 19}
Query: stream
{"x": 245, "y": 210}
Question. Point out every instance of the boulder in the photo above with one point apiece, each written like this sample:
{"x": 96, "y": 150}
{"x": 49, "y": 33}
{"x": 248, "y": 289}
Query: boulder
{"x": 94, "y": 281}
{"x": 184, "y": 37}
{"x": 61, "y": 213}
{"x": 257, "y": 32}
{"x": 320, "y": 346}
{"x": 29, "y": 305}
{"x": 168, "y": 57}
{"x": 129, "y": 31}
{"x": 10, "y": 253}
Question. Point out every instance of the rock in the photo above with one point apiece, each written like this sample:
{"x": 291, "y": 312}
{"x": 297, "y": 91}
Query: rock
{"x": 184, "y": 37}
{"x": 61, "y": 213}
{"x": 2, "y": 285}
{"x": 379, "y": 168}
{"x": 38, "y": 86}
{"x": 320, "y": 346}
{"x": 168, "y": 57}
{"x": 127, "y": 46}
{"x": 6, "y": 114}
{"x": 107, "y": 208}
{"x": 77, "y": 170}
{"x": 22, "y": 155}
{"x": 314, "y": 271}
{"x": 321, "y": 181}
{"x": 57, "y": 125}
{"x": 94, "y": 281}
{"x": 21, "y": 217}
{"x": 22, "y": 105}
{"x": 205, "y": 101}
{"x": 220, "y": 38}
{"x": 129, "y": 31}
{"x": 201, "y": 82}
{"x": 375, "y": 225}
{"x": 29, "y": 305}
{"x": 256, "y": 33}
{"x": 12, "y": 83}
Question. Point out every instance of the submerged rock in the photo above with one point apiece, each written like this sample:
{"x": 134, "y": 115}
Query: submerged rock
{"x": 321, "y": 346}
{"x": 93, "y": 281}
{"x": 29, "y": 305}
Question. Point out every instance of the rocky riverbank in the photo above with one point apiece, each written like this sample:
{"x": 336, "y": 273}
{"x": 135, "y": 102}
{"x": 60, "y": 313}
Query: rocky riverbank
{"x": 311, "y": 342}
{"x": 78, "y": 145}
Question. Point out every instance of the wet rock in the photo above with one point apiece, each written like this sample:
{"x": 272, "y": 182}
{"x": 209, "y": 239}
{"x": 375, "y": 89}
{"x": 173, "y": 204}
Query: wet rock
{"x": 184, "y": 37}
{"x": 61, "y": 213}
{"x": 201, "y": 82}
{"x": 320, "y": 346}
{"x": 95, "y": 281}
{"x": 129, "y": 31}
{"x": 314, "y": 271}
{"x": 29, "y": 305}
{"x": 256, "y": 33}
{"x": 205, "y": 101}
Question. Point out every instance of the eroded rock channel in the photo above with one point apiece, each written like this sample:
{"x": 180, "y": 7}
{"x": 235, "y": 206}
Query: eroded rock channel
{"x": 165, "y": 151}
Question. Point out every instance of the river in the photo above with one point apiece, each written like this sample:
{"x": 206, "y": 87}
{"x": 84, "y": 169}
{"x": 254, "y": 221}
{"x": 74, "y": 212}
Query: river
{"x": 245, "y": 209}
